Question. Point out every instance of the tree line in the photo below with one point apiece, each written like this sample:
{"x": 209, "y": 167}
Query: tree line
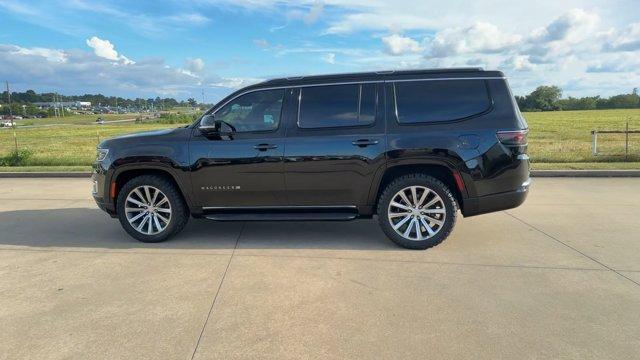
{"x": 27, "y": 98}
{"x": 549, "y": 98}
{"x": 31, "y": 96}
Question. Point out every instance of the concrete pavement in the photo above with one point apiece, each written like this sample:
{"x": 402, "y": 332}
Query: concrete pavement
{"x": 557, "y": 277}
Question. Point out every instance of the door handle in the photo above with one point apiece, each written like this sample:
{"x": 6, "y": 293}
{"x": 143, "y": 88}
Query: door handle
{"x": 265, "y": 147}
{"x": 364, "y": 142}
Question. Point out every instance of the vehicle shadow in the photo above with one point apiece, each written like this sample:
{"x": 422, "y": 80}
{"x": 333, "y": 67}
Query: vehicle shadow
{"x": 92, "y": 228}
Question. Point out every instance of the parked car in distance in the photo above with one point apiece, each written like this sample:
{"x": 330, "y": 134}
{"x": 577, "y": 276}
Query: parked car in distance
{"x": 412, "y": 147}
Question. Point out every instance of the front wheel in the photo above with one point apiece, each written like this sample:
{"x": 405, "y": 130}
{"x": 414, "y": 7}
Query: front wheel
{"x": 151, "y": 209}
{"x": 417, "y": 211}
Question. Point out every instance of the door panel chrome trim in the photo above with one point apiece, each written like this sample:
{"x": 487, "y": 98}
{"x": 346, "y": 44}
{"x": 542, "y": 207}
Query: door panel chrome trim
{"x": 295, "y": 207}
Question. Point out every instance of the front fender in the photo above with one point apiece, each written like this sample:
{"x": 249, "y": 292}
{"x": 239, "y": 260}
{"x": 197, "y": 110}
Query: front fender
{"x": 141, "y": 164}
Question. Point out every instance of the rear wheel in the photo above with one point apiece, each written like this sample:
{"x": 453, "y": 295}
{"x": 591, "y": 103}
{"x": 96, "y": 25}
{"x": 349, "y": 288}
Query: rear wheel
{"x": 151, "y": 209}
{"x": 417, "y": 211}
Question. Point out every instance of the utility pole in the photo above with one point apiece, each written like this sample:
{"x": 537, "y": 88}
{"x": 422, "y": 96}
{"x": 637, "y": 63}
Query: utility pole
{"x": 61, "y": 106}
{"x": 8, "y": 97}
{"x": 13, "y": 122}
{"x": 202, "y": 97}
{"x": 55, "y": 105}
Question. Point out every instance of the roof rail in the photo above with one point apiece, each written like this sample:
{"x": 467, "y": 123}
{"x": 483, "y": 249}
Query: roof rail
{"x": 380, "y": 72}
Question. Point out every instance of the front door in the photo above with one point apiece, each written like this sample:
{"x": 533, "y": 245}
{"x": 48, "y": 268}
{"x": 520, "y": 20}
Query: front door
{"x": 242, "y": 167}
{"x": 334, "y": 145}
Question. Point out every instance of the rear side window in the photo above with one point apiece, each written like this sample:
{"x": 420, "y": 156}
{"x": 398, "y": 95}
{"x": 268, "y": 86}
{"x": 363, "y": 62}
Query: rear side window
{"x": 440, "y": 100}
{"x": 337, "y": 106}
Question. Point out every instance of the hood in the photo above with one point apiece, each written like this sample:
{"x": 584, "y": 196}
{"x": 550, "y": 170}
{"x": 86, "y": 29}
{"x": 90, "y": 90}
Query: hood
{"x": 142, "y": 136}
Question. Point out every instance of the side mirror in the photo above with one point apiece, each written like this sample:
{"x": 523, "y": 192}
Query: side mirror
{"x": 210, "y": 126}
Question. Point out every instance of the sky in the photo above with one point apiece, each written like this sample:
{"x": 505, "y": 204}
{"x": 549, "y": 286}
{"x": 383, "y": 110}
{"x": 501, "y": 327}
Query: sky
{"x": 181, "y": 49}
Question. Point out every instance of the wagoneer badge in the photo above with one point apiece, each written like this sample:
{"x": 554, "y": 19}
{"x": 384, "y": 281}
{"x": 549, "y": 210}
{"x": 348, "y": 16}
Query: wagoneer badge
{"x": 221, "y": 187}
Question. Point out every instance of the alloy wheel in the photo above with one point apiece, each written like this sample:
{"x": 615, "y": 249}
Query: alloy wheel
{"x": 148, "y": 210}
{"x": 416, "y": 213}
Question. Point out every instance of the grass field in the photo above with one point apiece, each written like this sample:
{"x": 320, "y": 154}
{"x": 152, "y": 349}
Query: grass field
{"x": 76, "y": 119}
{"x": 565, "y": 136}
{"x": 66, "y": 145}
{"x": 555, "y": 137}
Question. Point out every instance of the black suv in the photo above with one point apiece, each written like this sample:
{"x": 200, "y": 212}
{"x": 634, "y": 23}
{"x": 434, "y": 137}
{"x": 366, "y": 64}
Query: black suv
{"x": 412, "y": 147}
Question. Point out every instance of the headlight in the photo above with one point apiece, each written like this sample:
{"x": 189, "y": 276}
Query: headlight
{"x": 102, "y": 154}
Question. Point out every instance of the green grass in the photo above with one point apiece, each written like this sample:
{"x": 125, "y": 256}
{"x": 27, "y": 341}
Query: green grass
{"x": 565, "y": 136}
{"x": 562, "y": 137}
{"x": 66, "y": 145}
{"x": 91, "y": 119}
{"x": 587, "y": 166}
{"x": 45, "y": 169}
{"x": 76, "y": 119}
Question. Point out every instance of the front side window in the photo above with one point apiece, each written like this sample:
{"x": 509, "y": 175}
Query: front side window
{"x": 440, "y": 100}
{"x": 337, "y": 106}
{"x": 255, "y": 111}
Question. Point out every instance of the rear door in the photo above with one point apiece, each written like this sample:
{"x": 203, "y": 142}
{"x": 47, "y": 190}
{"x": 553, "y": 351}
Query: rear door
{"x": 334, "y": 145}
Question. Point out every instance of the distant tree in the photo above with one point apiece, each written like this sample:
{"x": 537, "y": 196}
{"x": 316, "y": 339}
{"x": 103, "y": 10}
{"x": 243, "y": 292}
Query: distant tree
{"x": 584, "y": 103}
{"x": 522, "y": 102}
{"x": 192, "y": 102}
{"x": 544, "y": 98}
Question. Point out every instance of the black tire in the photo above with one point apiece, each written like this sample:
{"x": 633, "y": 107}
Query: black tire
{"x": 179, "y": 209}
{"x": 418, "y": 179}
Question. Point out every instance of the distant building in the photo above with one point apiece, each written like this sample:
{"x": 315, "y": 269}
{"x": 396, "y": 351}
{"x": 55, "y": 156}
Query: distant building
{"x": 65, "y": 104}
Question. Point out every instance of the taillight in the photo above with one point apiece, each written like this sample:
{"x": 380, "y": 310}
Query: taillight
{"x": 513, "y": 137}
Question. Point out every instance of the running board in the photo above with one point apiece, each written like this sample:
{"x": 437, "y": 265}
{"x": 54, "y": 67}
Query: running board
{"x": 282, "y": 214}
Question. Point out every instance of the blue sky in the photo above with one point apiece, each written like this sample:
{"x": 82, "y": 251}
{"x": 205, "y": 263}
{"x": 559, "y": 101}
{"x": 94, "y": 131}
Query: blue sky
{"x": 179, "y": 48}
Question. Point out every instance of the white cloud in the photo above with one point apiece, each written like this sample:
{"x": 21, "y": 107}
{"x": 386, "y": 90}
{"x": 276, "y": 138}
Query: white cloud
{"x": 397, "y": 45}
{"x": 617, "y": 63}
{"x": 626, "y": 40}
{"x": 573, "y": 26}
{"x": 103, "y": 48}
{"x": 86, "y": 72}
{"x": 142, "y": 23}
{"x": 235, "y": 82}
{"x": 316, "y": 11}
{"x": 194, "y": 66}
{"x": 329, "y": 58}
{"x": 49, "y": 54}
{"x": 261, "y": 43}
{"x": 378, "y": 21}
{"x": 106, "y": 50}
{"x": 191, "y": 18}
{"x": 573, "y": 33}
{"x": 518, "y": 63}
{"x": 480, "y": 37}
{"x": 309, "y": 13}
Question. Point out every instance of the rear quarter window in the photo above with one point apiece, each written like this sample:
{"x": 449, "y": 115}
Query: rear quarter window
{"x": 436, "y": 101}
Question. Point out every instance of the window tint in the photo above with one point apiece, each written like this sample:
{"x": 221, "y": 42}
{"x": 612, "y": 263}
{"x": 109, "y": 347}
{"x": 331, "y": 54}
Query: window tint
{"x": 434, "y": 101}
{"x": 255, "y": 111}
{"x": 367, "y": 103}
{"x": 336, "y": 105}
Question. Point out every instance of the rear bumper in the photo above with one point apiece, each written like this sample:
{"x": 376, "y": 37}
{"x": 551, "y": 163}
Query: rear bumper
{"x": 496, "y": 202}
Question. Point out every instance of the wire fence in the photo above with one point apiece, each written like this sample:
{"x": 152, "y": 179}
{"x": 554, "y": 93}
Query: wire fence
{"x": 609, "y": 142}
